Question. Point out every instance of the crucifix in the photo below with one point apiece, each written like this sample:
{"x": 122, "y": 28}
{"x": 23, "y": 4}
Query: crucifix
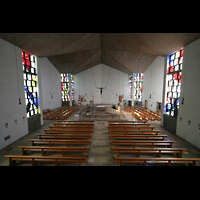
{"x": 100, "y": 89}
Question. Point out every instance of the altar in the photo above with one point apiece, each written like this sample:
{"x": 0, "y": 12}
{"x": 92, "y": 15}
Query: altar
{"x": 101, "y": 108}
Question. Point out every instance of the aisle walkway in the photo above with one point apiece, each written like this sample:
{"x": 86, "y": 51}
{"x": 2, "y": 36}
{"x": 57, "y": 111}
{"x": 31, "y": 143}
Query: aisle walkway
{"x": 100, "y": 153}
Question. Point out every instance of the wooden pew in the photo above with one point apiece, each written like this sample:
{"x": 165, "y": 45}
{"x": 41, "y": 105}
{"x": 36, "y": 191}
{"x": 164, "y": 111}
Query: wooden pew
{"x": 143, "y": 114}
{"x": 75, "y": 122}
{"x": 150, "y": 143}
{"x": 166, "y": 161}
{"x": 158, "y": 151}
{"x": 46, "y": 111}
{"x": 71, "y": 128}
{"x": 63, "y": 142}
{"x": 61, "y": 131}
{"x": 139, "y": 137}
{"x": 44, "y": 149}
{"x": 140, "y": 132}
{"x": 132, "y": 122}
{"x": 129, "y": 125}
{"x": 73, "y": 125}
{"x": 131, "y": 128}
{"x": 60, "y": 113}
{"x": 63, "y": 136}
{"x": 35, "y": 159}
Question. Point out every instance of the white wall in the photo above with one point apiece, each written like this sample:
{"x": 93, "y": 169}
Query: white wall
{"x": 12, "y": 88}
{"x": 190, "y": 110}
{"x": 84, "y": 83}
{"x": 153, "y": 83}
{"x": 50, "y": 84}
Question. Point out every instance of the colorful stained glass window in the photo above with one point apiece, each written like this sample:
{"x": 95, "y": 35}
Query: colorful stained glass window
{"x": 30, "y": 84}
{"x": 65, "y": 87}
{"x": 138, "y": 86}
{"x": 173, "y": 83}
{"x": 72, "y": 87}
{"x": 130, "y": 86}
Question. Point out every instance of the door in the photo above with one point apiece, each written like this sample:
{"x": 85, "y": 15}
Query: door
{"x": 146, "y": 104}
{"x": 120, "y": 98}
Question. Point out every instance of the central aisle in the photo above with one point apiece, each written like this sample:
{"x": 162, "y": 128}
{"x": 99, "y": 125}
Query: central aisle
{"x": 100, "y": 153}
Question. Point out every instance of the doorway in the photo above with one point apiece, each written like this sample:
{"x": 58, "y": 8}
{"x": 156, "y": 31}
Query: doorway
{"x": 146, "y": 104}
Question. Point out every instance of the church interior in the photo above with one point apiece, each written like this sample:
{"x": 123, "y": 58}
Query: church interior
{"x": 99, "y": 99}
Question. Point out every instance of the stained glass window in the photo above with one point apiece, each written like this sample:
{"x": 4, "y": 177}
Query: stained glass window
{"x": 65, "y": 87}
{"x": 138, "y": 86}
{"x": 173, "y": 82}
{"x": 30, "y": 83}
{"x": 130, "y": 86}
{"x": 72, "y": 87}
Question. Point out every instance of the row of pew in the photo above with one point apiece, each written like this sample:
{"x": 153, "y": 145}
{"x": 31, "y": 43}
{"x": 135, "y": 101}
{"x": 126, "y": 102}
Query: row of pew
{"x": 71, "y": 139}
{"x": 129, "y": 138}
{"x": 61, "y": 113}
{"x": 141, "y": 113}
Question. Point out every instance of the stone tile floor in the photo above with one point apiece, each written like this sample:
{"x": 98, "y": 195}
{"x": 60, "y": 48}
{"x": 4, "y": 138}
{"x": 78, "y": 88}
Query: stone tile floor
{"x": 100, "y": 153}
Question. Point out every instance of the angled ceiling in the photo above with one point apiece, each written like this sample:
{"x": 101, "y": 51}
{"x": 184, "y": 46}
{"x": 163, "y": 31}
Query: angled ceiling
{"x": 76, "y": 52}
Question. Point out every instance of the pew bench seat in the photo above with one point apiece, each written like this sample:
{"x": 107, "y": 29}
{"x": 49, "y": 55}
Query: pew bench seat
{"x": 140, "y": 132}
{"x": 63, "y": 142}
{"x": 166, "y": 161}
{"x": 46, "y": 111}
{"x": 44, "y": 149}
{"x": 61, "y": 131}
{"x": 63, "y": 124}
{"x": 35, "y": 159}
{"x": 128, "y": 125}
{"x": 158, "y": 151}
{"x": 123, "y": 121}
{"x": 138, "y": 137}
{"x": 131, "y": 128}
{"x": 63, "y": 136}
{"x": 75, "y": 122}
{"x": 150, "y": 143}
{"x": 71, "y": 128}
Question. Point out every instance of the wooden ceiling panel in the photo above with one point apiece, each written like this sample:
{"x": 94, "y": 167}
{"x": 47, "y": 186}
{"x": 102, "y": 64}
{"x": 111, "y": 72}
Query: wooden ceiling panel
{"x": 73, "y": 42}
{"x": 135, "y": 62}
{"x": 35, "y": 43}
{"x": 71, "y": 61}
{"x": 73, "y": 52}
{"x": 93, "y": 60}
{"x": 55, "y": 44}
{"x": 110, "y": 60}
{"x": 120, "y": 41}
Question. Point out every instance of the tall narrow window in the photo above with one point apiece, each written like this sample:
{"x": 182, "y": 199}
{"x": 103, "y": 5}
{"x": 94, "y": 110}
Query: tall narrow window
{"x": 138, "y": 85}
{"x": 30, "y": 83}
{"x": 173, "y": 83}
{"x": 65, "y": 87}
{"x": 72, "y": 87}
{"x": 130, "y": 86}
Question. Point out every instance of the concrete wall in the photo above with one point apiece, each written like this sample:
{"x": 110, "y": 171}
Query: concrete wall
{"x": 170, "y": 123}
{"x": 50, "y": 84}
{"x": 190, "y": 110}
{"x": 12, "y": 88}
{"x": 153, "y": 83}
{"x": 117, "y": 83}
